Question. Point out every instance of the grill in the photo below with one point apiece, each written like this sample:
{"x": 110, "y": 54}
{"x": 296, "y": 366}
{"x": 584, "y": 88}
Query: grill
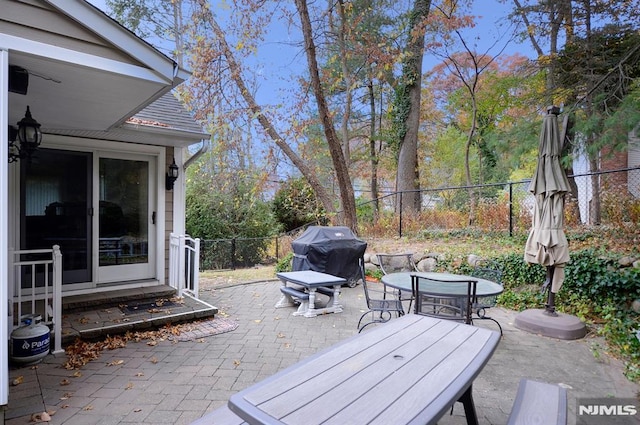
{"x": 334, "y": 250}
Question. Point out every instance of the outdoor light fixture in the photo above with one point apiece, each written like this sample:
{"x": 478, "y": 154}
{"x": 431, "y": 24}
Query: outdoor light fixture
{"x": 172, "y": 175}
{"x": 28, "y": 135}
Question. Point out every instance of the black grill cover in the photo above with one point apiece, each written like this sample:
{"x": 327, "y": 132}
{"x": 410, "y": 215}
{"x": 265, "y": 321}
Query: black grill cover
{"x": 334, "y": 250}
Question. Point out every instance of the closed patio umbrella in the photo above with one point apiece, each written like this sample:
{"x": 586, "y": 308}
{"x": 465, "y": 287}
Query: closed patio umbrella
{"x": 547, "y": 244}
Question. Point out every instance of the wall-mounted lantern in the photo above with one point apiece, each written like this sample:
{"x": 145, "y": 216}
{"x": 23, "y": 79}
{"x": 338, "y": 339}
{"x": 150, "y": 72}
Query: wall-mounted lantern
{"x": 28, "y": 135}
{"x": 172, "y": 175}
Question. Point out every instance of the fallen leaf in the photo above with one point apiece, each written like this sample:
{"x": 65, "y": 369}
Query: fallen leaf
{"x": 139, "y": 374}
{"x": 89, "y": 407}
{"x": 115, "y": 363}
{"x": 152, "y": 343}
{"x": 154, "y": 360}
{"x": 129, "y": 386}
{"x": 257, "y": 321}
{"x": 77, "y": 374}
{"x": 65, "y": 382}
{"x": 200, "y": 340}
{"x": 64, "y": 406}
{"x": 236, "y": 362}
{"x": 280, "y": 335}
{"x": 137, "y": 410}
{"x": 18, "y": 380}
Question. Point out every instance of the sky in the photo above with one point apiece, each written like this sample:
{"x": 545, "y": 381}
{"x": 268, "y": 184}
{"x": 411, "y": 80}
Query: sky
{"x": 490, "y": 15}
{"x": 276, "y": 63}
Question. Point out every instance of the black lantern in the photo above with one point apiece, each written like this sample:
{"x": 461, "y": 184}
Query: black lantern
{"x": 172, "y": 175}
{"x": 28, "y": 135}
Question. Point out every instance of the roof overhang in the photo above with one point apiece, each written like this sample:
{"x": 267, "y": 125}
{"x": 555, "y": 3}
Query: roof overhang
{"x": 69, "y": 90}
{"x": 140, "y": 134}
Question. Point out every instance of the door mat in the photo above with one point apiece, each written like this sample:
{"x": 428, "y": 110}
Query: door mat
{"x": 157, "y": 306}
{"x": 196, "y": 330}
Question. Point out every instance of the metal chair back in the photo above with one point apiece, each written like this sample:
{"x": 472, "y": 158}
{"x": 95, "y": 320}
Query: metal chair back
{"x": 489, "y": 270}
{"x": 444, "y": 299}
{"x": 380, "y": 305}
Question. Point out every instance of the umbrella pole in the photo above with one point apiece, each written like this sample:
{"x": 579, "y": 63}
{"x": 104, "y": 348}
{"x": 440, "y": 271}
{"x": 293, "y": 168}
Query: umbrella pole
{"x": 550, "y": 306}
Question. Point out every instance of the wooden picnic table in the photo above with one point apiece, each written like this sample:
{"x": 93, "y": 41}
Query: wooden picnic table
{"x": 408, "y": 371}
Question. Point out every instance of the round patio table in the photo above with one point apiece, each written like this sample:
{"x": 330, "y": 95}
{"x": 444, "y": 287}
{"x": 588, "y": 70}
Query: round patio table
{"x": 402, "y": 281}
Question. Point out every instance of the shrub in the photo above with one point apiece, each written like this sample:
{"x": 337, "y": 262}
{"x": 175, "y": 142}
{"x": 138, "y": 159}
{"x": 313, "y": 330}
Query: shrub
{"x": 285, "y": 264}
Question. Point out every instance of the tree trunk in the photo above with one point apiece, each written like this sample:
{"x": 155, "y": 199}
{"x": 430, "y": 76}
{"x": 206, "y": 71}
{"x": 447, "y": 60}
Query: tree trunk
{"x": 236, "y": 73}
{"x": 467, "y": 155}
{"x": 407, "y": 177}
{"x": 346, "y": 75}
{"x": 373, "y": 154}
{"x": 340, "y": 166}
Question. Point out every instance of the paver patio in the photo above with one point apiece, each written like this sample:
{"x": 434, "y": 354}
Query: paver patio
{"x": 178, "y": 382}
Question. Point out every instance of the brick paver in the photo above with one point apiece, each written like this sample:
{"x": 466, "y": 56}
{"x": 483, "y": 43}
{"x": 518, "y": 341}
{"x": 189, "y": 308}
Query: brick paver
{"x": 177, "y": 382}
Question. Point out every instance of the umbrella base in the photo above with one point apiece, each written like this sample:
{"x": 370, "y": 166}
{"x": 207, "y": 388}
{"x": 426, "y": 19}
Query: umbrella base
{"x": 562, "y": 326}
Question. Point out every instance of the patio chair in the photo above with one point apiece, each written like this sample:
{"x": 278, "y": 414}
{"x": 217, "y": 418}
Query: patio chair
{"x": 380, "y": 304}
{"x": 444, "y": 299}
{"x": 395, "y": 263}
{"x": 488, "y": 270}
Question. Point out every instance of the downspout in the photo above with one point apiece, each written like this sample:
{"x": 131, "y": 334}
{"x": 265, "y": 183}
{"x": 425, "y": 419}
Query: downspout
{"x": 203, "y": 149}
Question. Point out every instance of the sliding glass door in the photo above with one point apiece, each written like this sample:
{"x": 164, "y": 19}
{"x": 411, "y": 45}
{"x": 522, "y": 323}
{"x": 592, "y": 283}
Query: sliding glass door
{"x": 126, "y": 221}
{"x": 56, "y": 209}
{"x": 98, "y": 207}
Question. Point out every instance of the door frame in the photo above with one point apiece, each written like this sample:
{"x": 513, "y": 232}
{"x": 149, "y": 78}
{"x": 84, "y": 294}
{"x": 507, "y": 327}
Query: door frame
{"x": 108, "y": 147}
{"x": 115, "y": 273}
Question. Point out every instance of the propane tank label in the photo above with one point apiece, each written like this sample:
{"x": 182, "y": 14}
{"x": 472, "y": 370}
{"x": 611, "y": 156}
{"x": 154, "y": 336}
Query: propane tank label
{"x": 27, "y": 347}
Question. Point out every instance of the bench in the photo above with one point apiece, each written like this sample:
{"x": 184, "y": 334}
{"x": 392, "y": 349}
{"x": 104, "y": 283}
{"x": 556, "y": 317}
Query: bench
{"x": 325, "y": 291}
{"x": 539, "y": 403}
{"x": 293, "y": 294}
{"x": 221, "y": 416}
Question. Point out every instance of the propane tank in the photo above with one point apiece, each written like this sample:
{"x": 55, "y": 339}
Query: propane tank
{"x": 30, "y": 342}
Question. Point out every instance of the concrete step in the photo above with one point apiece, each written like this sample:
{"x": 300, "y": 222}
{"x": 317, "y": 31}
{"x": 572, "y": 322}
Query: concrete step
{"x": 75, "y": 303}
{"x": 85, "y": 317}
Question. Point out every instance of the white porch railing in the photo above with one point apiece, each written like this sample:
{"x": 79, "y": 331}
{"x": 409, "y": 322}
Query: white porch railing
{"x": 184, "y": 264}
{"x": 38, "y": 288}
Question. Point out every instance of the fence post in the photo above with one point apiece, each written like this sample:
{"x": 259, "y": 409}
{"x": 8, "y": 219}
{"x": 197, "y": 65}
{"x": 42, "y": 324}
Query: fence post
{"x": 400, "y": 210}
{"x": 510, "y": 209}
{"x": 233, "y": 254}
{"x": 277, "y": 253}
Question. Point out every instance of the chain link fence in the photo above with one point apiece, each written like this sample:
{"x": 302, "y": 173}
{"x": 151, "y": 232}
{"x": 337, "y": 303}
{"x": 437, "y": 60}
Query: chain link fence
{"x": 609, "y": 198}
